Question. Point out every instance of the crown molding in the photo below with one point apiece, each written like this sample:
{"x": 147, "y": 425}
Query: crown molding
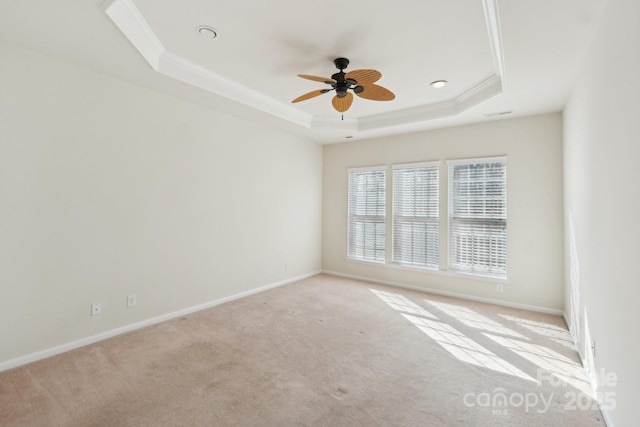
{"x": 179, "y": 68}
{"x": 126, "y": 16}
{"x": 492, "y": 18}
{"x": 130, "y": 21}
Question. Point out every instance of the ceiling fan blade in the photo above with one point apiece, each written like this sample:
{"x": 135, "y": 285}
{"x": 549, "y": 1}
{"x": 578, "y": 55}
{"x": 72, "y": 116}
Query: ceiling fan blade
{"x": 376, "y": 93}
{"x": 342, "y": 104}
{"x": 311, "y": 94}
{"x": 317, "y": 79}
{"x": 364, "y": 77}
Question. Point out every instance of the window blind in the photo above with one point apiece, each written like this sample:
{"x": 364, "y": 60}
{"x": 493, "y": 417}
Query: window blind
{"x": 478, "y": 216}
{"x": 416, "y": 230}
{"x": 366, "y": 211}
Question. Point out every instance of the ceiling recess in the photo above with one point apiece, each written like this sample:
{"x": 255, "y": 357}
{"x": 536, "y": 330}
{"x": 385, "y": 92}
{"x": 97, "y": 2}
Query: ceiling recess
{"x": 126, "y": 16}
{"x": 207, "y": 32}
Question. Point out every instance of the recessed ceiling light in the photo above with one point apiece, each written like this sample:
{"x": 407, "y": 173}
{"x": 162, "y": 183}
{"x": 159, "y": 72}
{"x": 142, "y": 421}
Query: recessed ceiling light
{"x": 439, "y": 83}
{"x": 207, "y": 32}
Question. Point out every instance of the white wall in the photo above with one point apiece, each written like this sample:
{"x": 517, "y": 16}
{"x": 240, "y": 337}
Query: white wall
{"x": 108, "y": 189}
{"x": 533, "y": 147}
{"x": 602, "y": 188}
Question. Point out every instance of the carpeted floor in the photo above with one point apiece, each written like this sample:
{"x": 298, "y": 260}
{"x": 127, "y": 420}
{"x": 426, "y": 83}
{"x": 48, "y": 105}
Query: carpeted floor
{"x": 325, "y": 351}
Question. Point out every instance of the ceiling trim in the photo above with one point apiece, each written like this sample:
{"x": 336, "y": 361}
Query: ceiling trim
{"x": 130, "y": 21}
{"x": 182, "y": 69}
{"x": 126, "y": 16}
{"x": 491, "y": 15}
{"x": 474, "y": 96}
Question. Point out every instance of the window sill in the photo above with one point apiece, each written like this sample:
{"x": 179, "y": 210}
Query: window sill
{"x": 365, "y": 261}
{"x": 445, "y": 273}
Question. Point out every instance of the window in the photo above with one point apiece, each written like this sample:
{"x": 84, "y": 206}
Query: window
{"x": 415, "y": 214}
{"x": 367, "y": 206}
{"x": 478, "y": 216}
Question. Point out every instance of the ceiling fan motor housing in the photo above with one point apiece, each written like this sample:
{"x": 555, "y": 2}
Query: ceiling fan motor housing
{"x": 343, "y": 84}
{"x": 341, "y": 63}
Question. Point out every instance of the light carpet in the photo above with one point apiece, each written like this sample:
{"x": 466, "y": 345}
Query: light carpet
{"x": 325, "y": 351}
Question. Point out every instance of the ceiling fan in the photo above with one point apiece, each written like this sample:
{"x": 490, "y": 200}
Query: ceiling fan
{"x": 361, "y": 82}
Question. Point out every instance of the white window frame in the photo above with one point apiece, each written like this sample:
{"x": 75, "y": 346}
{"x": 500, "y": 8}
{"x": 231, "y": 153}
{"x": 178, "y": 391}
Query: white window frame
{"x": 416, "y": 237}
{"x": 490, "y": 259}
{"x": 370, "y": 250}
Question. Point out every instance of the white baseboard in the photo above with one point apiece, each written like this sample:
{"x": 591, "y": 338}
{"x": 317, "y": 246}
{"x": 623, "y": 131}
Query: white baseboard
{"x": 450, "y": 294}
{"x": 607, "y": 420}
{"x": 605, "y": 415}
{"x": 566, "y": 322}
{"x": 43, "y": 354}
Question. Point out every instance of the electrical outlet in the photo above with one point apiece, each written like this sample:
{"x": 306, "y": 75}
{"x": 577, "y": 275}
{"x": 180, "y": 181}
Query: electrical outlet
{"x": 96, "y": 309}
{"x": 131, "y": 300}
{"x": 499, "y": 287}
{"x": 286, "y": 265}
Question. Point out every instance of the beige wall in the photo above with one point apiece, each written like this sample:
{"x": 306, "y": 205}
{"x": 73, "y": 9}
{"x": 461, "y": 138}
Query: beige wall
{"x": 533, "y": 148}
{"x": 108, "y": 189}
{"x": 602, "y": 200}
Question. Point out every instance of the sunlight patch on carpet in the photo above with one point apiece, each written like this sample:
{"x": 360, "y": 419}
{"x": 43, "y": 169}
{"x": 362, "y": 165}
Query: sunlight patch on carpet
{"x": 475, "y": 320}
{"x": 402, "y": 303}
{"x": 560, "y": 366}
{"x": 554, "y": 332}
{"x": 464, "y": 348}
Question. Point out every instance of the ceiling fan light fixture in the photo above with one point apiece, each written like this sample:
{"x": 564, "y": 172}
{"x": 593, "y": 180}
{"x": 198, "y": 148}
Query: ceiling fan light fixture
{"x": 439, "y": 83}
{"x": 207, "y": 32}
